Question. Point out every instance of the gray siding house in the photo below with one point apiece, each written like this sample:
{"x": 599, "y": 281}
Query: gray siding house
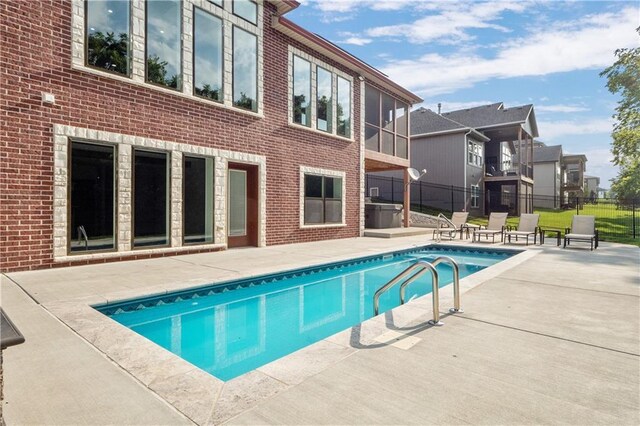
{"x": 547, "y": 169}
{"x": 486, "y": 152}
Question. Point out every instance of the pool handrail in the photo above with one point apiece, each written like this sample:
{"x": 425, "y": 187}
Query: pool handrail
{"x": 424, "y": 266}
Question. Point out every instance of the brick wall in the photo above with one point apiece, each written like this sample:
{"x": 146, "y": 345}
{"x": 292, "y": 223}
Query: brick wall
{"x": 36, "y": 57}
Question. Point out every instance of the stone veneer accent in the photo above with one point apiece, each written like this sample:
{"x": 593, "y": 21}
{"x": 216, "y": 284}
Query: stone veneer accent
{"x": 321, "y": 172}
{"x": 125, "y": 143}
{"x": 334, "y": 90}
{"x": 138, "y": 47}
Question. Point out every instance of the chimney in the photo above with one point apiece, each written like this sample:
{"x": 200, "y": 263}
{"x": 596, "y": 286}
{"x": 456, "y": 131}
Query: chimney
{"x": 439, "y": 107}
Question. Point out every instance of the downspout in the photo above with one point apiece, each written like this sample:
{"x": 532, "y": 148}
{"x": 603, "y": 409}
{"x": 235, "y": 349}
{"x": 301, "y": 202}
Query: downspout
{"x": 466, "y": 160}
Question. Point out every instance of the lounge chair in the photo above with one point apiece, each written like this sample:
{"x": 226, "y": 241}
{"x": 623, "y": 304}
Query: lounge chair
{"x": 495, "y": 226}
{"x": 583, "y": 228}
{"x": 458, "y": 219}
{"x": 527, "y": 226}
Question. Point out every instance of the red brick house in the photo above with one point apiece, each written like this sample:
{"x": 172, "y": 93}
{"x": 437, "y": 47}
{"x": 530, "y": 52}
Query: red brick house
{"x": 134, "y": 129}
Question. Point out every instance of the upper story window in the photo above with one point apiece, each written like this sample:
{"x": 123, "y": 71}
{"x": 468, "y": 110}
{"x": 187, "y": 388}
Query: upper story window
{"x": 324, "y": 99}
{"x": 506, "y": 156}
{"x": 207, "y": 55}
{"x": 142, "y": 40}
{"x": 108, "y": 35}
{"x": 301, "y": 91}
{"x": 320, "y": 96}
{"x": 164, "y": 45}
{"x": 246, "y": 9}
{"x": 475, "y": 152}
{"x": 245, "y": 69}
{"x": 386, "y": 123}
{"x": 343, "y": 107}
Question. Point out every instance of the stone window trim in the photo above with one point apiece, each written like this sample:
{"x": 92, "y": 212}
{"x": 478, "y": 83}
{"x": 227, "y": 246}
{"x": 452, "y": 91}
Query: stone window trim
{"x": 63, "y": 135}
{"x": 138, "y": 50}
{"x": 315, "y": 63}
{"x": 304, "y": 170}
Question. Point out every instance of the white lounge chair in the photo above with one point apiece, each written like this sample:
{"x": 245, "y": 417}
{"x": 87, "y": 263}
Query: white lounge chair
{"x": 495, "y": 226}
{"x": 527, "y": 226}
{"x": 458, "y": 220}
{"x": 583, "y": 228}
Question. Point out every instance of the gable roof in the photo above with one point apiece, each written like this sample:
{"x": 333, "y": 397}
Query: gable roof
{"x": 494, "y": 115}
{"x": 425, "y": 122}
{"x": 544, "y": 154}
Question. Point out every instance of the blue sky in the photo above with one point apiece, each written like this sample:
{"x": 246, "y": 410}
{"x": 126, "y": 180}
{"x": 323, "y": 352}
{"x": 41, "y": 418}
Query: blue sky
{"x": 468, "y": 53}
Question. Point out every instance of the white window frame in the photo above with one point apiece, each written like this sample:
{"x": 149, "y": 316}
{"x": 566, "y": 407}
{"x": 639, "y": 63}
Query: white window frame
{"x": 475, "y": 153}
{"x": 475, "y": 196}
{"x": 304, "y": 170}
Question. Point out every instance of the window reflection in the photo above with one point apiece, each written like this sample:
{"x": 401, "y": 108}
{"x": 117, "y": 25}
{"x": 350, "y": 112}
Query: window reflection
{"x": 246, "y": 9}
{"x": 108, "y": 35}
{"x": 92, "y": 197}
{"x": 198, "y": 200}
{"x": 324, "y": 100}
{"x": 163, "y": 42}
{"x": 344, "y": 107}
{"x": 301, "y": 91}
{"x": 207, "y": 52}
{"x": 150, "y": 198}
{"x": 245, "y": 69}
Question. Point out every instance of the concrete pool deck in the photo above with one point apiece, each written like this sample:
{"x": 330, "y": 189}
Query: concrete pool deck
{"x": 552, "y": 338}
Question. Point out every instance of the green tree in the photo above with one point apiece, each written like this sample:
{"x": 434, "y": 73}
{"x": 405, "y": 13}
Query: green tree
{"x": 157, "y": 72}
{"x": 108, "y": 51}
{"x": 623, "y": 78}
{"x": 208, "y": 92}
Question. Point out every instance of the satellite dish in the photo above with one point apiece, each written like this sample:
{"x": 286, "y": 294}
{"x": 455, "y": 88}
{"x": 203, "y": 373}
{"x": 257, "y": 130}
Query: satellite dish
{"x": 415, "y": 174}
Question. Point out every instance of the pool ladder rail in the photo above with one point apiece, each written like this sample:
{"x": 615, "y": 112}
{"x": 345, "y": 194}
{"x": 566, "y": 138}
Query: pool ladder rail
{"x": 422, "y": 266}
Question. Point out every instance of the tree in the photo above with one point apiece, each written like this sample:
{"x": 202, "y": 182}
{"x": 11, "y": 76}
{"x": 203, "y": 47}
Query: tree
{"x": 157, "y": 72}
{"x": 623, "y": 77}
{"x": 208, "y": 92}
{"x": 108, "y": 51}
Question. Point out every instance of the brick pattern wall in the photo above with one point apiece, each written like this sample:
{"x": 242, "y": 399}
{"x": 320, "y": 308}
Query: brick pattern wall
{"x": 36, "y": 57}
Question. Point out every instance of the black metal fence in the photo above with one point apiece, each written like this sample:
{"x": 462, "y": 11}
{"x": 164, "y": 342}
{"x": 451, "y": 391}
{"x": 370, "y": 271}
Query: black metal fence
{"x": 616, "y": 220}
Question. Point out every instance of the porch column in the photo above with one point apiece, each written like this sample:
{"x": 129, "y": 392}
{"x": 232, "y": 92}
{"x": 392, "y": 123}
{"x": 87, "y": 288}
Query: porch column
{"x": 407, "y": 198}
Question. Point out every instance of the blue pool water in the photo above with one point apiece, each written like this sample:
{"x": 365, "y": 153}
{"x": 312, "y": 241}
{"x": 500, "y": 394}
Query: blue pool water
{"x": 228, "y": 329}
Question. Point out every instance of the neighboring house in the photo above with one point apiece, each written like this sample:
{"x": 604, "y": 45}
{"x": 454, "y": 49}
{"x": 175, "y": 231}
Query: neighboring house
{"x": 547, "y": 171}
{"x": 145, "y": 128}
{"x": 591, "y": 187}
{"x": 573, "y": 168}
{"x": 478, "y": 149}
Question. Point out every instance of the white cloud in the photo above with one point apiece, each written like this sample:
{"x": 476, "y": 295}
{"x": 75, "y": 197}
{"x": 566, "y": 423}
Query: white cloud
{"x": 557, "y": 130}
{"x": 451, "y": 23}
{"x": 560, "y": 108}
{"x": 588, "y": 43}
{"x": 358, "y": 41}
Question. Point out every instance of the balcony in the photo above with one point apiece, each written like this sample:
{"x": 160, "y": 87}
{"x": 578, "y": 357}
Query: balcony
{"x": 494, "y": 169}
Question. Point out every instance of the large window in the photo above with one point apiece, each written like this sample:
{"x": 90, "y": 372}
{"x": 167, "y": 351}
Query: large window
{"x": 246, "y": 9}
{"x": 164, "y": 46}
{"x": 245, "y": 69}
{"x": 207, "y": 53}
{"x": 344, "y": 107}
{"x": 475, "y": 196}
{"x": 151, "y": 198}
{"x": 475, "y": 152}
{"x": 108, "y": 33}
{"x": 324, "y": 99}
{"x": 506, "y": 156}
{"x": 322, "y": 199}
{"x": 198, "y": 200}
{"x": 301, "y": 91}
{"x": 385, "y": 124}
{"x": 92, "y": 201}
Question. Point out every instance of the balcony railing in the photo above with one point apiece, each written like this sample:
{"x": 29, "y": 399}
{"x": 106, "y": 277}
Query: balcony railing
{"x": 495, "y": 169}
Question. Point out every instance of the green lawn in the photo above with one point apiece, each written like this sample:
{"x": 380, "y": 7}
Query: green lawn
{"x": 613, "y": 224}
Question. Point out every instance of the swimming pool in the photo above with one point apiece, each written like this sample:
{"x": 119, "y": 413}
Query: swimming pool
{"x": 230, "y": 328}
